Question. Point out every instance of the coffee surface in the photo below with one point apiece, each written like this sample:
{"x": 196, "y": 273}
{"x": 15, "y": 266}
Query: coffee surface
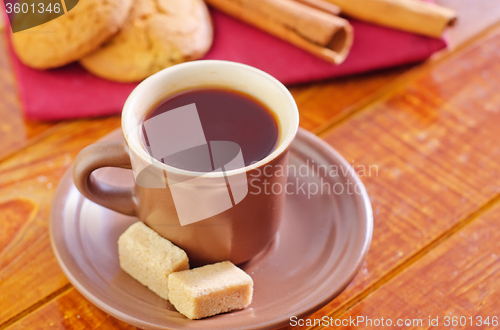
{"x": 226, "y": 115}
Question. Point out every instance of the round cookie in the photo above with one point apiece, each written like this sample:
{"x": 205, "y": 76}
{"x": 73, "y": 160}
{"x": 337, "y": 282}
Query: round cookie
{"x": 72, "y": 35}
{"x": 157, "y": 34}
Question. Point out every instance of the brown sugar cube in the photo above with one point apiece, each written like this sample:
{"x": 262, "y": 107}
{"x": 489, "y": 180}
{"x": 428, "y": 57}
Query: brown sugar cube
{"x": 150, "y": 258}
{"x": 210, "y": 290}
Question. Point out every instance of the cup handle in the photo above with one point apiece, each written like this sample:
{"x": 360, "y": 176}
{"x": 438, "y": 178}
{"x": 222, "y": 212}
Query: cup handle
{"x": 98, "y": 155}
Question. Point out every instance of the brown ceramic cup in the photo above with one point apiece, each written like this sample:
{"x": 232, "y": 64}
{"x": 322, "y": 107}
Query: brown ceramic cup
{"x": 237, "y": 233}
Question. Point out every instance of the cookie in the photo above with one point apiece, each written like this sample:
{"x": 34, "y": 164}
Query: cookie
{"x": 72, "y": 35}
{"x": 210, "y": 290}
{"x": 157, "y": 34}
{"x": 150, "y": 258}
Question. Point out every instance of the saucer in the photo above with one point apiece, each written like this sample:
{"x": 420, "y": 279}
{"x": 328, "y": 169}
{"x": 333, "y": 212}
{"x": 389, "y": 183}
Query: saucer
{"x": 318, "y": 249}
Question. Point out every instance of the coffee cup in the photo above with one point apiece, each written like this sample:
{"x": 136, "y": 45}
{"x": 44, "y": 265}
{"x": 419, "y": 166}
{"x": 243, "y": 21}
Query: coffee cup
{"x": 190, "y": 208}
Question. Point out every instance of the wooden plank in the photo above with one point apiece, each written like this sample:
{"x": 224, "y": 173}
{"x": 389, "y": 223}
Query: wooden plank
{"x": 437, "y": 148}
{"x": 15, "y": 131}
{"x": 70, "y": 311}
{"x": 28, "y": 269}
{"x": 14, "y": 215}
{"x": 460, "y": 278}
{"x": 2, "y": 23}
{"x": 326, "y": 102}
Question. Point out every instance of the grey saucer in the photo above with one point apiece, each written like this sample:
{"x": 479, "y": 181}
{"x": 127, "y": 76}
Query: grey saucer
{"x": 318, "y": 250}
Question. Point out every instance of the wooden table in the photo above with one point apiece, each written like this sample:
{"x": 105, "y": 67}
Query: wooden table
{"x": 432, "y": 129}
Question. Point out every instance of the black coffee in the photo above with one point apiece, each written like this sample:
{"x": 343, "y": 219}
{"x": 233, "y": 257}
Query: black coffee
{"x": 225, "y": 115}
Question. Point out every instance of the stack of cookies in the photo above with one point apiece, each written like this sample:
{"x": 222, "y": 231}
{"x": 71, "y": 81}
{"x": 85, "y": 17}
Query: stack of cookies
{"x": 120, "y": 40}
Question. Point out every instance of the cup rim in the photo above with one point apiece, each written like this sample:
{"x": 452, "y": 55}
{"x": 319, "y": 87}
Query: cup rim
{"x": 138, "y": 150}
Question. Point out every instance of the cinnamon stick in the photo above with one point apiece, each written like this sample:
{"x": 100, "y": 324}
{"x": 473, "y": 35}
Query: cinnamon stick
{"x": 409, "y": 15}
{"x": 323, "y": 5}
{"x": 324, "y": 35}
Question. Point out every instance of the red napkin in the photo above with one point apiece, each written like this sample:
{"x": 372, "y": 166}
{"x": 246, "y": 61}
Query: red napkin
{"x": 71, "y": 92}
